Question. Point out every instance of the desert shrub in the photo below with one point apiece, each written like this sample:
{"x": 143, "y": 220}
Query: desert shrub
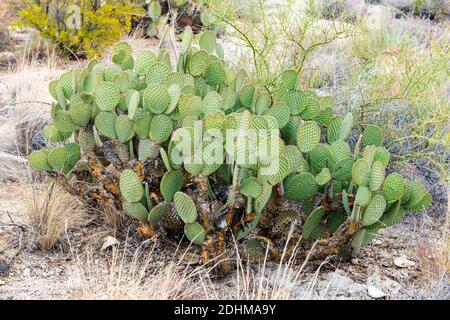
{"x": 81, "y": 29}
{"x": 155, "y": 142}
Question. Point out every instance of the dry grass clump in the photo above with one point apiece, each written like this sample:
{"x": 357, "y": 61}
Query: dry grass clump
{"x": 24, "y": 111}
{"x": 434, "y": 261}
{"x": 50, "y": 212}
{"x": 137, "y": 276}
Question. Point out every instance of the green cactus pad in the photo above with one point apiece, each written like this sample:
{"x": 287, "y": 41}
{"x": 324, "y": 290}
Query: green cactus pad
{"x": 198, "y": 62}
{"x": 212, "y": 102}
{"x": 339, "y": 150}
{"x": 357, "y": 241}
{"x": 376, "y": 176}
{"x": 281, "y": 172}
{"x": 110, "y": 72}
{"x": 161, "y": 128}
{"x": 263, "y": 198}
{"x": 81, "y": 114}
{"x": 296, "y": 101}
{"x": 136, "y": 210}
{"x": 105, "y": 123}
{"x": 63, "y": 122}
{"x": 312, "y": 222}
{"x": 342, "y": 171}
{"x": 423, "y": 204}
{"x": 157, "y": 212}
{"x": 124, "y": 128}
{"x": 142, "y": 125}
{"x": 246, "y": 95}
{"x": 157, "y": 73}
{"x": 144, "y": 60}
{"x": 312, "y": 106}
{"x": 394, "y": 187}
{"x": 251, "y": 187}
{"x": 363, "y": 196}
{"x": 300, "y": 186}
{"x": 346, "y": 126}
{"x": 57, "y": 93}
{"x": 174, "y": 92}
{"x": 416, "y": 193}
{"x": 147, "y": 149}
{"x": 393, "y": 215}
{"x": 374, "y": 210}
{"x": 87, "y": 141}
{"x": 289, "y": 79}
{"x": 171, "y": 183}
{"x": 263, "y": 102}
{"x": 289, "y": 131}
{"x": 156, "y": 98}
{"x": 382, "y": 155}
{"x": 195, "y": 232}
{"x": 122, "y": 48}
{"x": 52, "y": 134}
{"x": 308, "y": 136}
{"x": 361, "y": 172}
{"x": 334, "y": 129}
{"x": 215, "y": 74}
{"x": 73, "y": 154}
{"x": 369, "y": 154}
{"x": 38, "y": 161}
{"x": 294, "y": 157}
{"x": 131, "y": 186}
{"x": 67, "y": 81}
{"x": 188, "y": 36}
{"x": 324, "y": 117}
{"x": 281, "y": 112}
{"x": 207, "y": 41}
{"x": 319, "y": 156}
{"x": 57, "y": 158}
{"x": 372, "y": 136}
{"x": 185, "y": 207}
{"x": 107, "y": 96}
{"x": 323, "y": 177}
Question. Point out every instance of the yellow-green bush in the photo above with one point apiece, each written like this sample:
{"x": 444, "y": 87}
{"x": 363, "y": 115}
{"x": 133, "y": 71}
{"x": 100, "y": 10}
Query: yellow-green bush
{"x": 82, "y": 28}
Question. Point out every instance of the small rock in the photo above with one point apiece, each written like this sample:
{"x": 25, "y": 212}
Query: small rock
{"x": 355, "y": 261}
{"x": 403, "y": 262}
{"x": 7, "y": 60}
{"x": 2, "y": 283}
{"x": 375, "y": 293}
{"x": 26, "y": 272}
{"x": 109, "y": 242}
{"x": 377, "y": 242}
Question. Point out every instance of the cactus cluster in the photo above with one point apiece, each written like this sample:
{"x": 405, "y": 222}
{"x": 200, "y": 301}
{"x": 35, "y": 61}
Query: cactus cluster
{"x": 116, "y": 132}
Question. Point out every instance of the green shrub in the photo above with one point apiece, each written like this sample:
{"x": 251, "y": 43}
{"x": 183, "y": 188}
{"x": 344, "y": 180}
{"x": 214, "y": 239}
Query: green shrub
{"x": 126, "y": 120}
{"x": 83, "y": 29}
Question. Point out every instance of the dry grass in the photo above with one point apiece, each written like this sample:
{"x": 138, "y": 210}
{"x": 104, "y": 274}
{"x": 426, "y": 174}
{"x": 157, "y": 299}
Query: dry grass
{"x": 434, "y": 261}
{"x": 136, "y": 276}
{"x": 50, "y": 212}
{"x": 24, "y": 110}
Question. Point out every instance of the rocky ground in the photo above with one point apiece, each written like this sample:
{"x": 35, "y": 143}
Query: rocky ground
{"x": 401, "y": 263}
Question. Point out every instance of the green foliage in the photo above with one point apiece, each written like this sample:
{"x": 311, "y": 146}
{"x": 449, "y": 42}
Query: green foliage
{"x": 98, "y": 27}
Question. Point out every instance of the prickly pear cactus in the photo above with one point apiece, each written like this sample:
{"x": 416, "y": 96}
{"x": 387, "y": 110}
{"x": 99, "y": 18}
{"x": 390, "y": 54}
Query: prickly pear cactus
{"x": 203, "y": 153}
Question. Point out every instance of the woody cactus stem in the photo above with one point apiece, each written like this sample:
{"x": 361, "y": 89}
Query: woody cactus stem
{"x": 231, "y": 201}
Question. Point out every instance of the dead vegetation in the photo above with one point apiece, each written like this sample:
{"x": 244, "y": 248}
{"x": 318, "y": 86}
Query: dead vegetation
{"x": 51, "y": 212}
